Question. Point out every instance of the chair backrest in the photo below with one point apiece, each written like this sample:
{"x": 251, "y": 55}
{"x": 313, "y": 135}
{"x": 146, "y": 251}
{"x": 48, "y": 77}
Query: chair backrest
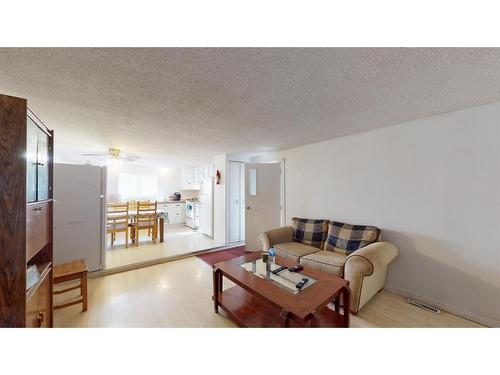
{"x": 146, "y": 212}
{"x": 132, "y": 205}
{"x": 147, "y": 207}
{"x": 117, "y": 213}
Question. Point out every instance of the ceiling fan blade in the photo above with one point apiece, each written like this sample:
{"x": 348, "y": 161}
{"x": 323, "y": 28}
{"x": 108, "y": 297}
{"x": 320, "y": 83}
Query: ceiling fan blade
{"x": 100, "y": 154}
{"x": 129, "y": 158}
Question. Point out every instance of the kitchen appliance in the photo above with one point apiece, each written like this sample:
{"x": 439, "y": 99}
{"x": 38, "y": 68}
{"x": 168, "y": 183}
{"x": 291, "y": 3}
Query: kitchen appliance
{"x": 80, "y": 214}
{"x": 176, "y": 197}
{"x": 190, "y": 222}
{"x": 206, "y": 205}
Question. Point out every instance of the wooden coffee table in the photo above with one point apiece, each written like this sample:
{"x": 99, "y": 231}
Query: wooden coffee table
{"x": 256, "y": 301}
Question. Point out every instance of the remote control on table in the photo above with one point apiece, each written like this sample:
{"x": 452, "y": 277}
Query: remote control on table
{"x": 279, "y": 269}
{"x": 301, "y": 283}
{"x": 296, "y": 268}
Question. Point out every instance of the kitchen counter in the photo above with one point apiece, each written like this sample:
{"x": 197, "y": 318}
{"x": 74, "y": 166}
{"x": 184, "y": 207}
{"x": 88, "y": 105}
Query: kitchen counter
{"x": 175, "y": 211}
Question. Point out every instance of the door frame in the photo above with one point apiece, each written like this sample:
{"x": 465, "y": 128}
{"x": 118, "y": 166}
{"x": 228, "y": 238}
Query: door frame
{"x": 282, "y": 162}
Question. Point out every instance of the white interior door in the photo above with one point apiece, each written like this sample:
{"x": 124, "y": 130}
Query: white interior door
{"x": 262, "y": 200}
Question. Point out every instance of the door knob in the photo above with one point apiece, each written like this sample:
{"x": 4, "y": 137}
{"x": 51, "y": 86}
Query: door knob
{"x": 248, "y": 207}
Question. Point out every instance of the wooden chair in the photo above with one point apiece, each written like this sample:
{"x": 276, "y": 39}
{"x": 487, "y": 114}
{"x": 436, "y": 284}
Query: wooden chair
{"x": 132, "y": 205}
{"x": 76, "y": 270}
{"x": 146, "y": 218}
{"x": 117, "y": 220}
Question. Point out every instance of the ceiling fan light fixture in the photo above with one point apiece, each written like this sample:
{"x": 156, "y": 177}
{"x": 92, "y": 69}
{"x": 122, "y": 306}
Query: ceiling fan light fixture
{"x": 114, "y": 152}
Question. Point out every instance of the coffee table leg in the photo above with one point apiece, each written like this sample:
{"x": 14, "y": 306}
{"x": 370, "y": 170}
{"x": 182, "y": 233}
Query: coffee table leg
{"x": 337, "y": 304}
{"x": 220, "y": 282}
{"x": 346, "y": 298}
{"x": 217, "y": 288}
{"x": 314, "y": 321}
{"x": 285, "y": 318}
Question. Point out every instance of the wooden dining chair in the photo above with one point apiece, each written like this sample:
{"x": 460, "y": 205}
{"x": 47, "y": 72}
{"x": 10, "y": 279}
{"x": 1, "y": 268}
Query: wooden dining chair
{"x": 146, "y": 218}
{"x": 132, "y": 205}
{"x": 117, "y": 220}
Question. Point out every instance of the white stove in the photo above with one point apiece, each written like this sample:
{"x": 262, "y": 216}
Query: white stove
{"x": 191, "y": 214}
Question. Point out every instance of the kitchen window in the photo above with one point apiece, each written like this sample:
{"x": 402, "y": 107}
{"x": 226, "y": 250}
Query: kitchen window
{"x": 136, "y": 186}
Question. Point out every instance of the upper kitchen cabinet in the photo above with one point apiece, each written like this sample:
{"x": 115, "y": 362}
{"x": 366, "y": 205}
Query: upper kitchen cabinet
{"x": 192, "y": 177}
{"x": 38, "y": 151}
{"x": 189, "y": 180}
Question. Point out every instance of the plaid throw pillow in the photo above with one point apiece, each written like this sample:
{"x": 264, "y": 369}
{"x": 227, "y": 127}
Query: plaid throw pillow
{"x": 347, "y": 238}
{"x": 310, "y": 232}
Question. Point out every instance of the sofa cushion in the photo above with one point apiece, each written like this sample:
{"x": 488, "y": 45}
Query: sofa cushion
{"x": 293, "y": 250}
{"x": 325, "y": 261}
{"x": 347, "y": 238}
{"x": 310, "y": 232}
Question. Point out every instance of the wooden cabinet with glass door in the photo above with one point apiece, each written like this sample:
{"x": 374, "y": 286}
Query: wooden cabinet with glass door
{"x": 26, "y": 151}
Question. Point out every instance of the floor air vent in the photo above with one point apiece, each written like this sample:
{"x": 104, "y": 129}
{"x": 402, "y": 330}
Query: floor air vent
{"x": 424, "y": 306}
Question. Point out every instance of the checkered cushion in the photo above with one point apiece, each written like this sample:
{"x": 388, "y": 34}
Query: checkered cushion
{"x": 347, "y": 238}
{"x": 310, "y": 232}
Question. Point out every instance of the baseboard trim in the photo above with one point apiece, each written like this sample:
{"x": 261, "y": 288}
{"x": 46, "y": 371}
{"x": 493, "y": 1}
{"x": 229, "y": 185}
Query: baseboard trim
{"x": 469, "y": 315}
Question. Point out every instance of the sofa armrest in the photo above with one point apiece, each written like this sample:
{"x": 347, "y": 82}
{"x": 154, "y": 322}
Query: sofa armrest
{"x": 366, "y": 260}
{"x": 366, "y": 271}
{"x": 271, "y": 237}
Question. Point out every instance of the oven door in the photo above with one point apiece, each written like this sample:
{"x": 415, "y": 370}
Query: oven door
{"x": 189, "y": 210}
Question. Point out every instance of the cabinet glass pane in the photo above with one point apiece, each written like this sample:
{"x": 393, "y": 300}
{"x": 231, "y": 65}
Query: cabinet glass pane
{"x": 31, "y": 151}
{"x": 43, "y": 166}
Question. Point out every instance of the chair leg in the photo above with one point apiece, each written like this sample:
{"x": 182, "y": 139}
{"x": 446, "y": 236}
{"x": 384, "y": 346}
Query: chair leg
{"x": 112, "y": 239}
{"x": 126, "y": 238}
{"x": 83, "y": 281}
{"x": 137, "y": 236}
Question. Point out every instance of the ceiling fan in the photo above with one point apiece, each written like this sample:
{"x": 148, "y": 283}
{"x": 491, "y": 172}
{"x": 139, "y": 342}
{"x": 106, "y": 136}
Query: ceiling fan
{"x": 114, "y": 154}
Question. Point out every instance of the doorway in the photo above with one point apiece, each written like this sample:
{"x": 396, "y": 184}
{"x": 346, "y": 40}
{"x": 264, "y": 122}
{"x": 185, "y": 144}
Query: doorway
{"x": 236, "y": 209}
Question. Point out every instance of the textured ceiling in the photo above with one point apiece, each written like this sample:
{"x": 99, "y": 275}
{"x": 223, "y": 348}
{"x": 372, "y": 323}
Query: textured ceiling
{"x": 176, "y": 106}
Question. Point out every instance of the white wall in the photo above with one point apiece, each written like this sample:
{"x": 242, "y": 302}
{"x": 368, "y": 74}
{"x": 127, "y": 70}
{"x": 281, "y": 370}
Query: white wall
{"x": 220, "y": 200}
{"x": 432, "y": 186}
{"x": 169, "y": 179}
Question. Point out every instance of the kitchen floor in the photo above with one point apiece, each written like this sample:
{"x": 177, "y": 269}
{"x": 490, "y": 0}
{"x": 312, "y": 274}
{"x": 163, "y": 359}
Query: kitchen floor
{"x": 178, "y": 240}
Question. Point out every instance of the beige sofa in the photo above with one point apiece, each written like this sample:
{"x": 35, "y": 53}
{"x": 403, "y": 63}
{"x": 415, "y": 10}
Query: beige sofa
{"x": 365, "y": 269}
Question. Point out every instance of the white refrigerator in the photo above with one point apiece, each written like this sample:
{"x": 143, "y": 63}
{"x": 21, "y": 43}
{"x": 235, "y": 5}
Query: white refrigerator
{"x": 80, "y": 214}
{"x": 206, "y": 198}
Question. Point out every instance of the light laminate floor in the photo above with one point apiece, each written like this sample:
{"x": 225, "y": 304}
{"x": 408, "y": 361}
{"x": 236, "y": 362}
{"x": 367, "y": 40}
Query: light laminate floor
{"x": 177, "y": 240}
{"x": 178, "y": 294}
